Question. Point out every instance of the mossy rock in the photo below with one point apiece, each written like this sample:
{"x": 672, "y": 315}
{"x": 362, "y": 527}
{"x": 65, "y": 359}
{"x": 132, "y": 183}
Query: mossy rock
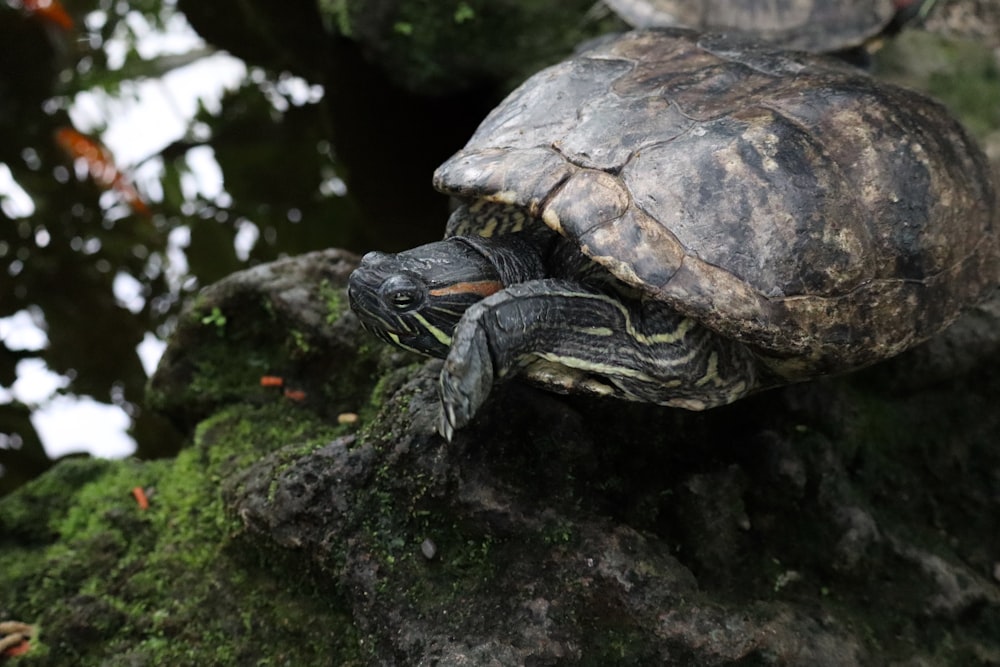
{"x": 443, "y": 47}
{"x": 849, "y": 521}
{"x": 109, "y": 583}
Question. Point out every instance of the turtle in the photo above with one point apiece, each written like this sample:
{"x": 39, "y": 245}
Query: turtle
{"x": 812, "y": 25}
{"x": 686, "y": 219}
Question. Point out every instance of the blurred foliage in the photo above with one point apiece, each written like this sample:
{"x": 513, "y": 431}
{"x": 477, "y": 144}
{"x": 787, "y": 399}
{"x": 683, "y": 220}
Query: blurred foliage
{"x": 59, "y": 262}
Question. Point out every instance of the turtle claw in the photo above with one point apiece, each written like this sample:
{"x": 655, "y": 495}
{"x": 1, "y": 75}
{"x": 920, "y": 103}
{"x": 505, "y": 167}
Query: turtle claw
{"x": 456, "y": 409}
{"x": 446, "y": 424}
{"x": 466, "y": 380}
{"x": 445, "y": 428}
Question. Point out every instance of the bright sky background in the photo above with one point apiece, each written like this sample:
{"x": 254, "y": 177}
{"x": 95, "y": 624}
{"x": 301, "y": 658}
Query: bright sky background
{"x": 139, "y": 127}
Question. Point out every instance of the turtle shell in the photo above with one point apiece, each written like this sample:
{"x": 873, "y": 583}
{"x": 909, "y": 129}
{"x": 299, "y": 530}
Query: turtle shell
{"x": 812, "y": 25}
{"x": 783, "y": 199}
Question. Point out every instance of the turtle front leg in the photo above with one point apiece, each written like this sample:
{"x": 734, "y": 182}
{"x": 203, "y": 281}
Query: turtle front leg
{"x": 633, "y": 348}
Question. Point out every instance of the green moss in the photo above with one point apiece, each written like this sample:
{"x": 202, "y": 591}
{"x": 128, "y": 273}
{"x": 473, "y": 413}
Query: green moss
{"x": 447, "y": 45}
{"x": 31, "y": 516}
{"x": 298, "y": 343}
{"x": 621, "y": 646}
{"x": 217, "y": 370}
{"x": 217, "y": 378}
{"x": 386, "y": 386}
{"x": 333, "y": 297}
{"x": 110, "y": 583}
{"x": 558, "y": 532}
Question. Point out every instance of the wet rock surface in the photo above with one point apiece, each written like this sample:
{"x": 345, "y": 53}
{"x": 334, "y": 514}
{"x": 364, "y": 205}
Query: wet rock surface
{"x": 850, "y": 521}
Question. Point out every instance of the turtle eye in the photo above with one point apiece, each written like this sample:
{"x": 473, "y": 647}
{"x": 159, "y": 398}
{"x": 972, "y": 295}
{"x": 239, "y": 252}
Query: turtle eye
{"x": 402, "y": 300}
{"x": 402, "y": 293}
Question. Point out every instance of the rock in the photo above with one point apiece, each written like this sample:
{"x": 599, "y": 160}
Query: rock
{"x": 443, "y": 48}
{"x": 847, "y": 521}
{"x": 287, "y": 319}
{"x": 757, "y": 531}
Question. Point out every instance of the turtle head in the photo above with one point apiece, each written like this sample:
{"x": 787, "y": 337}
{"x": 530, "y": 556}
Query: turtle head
{"x": 415, "y": 299}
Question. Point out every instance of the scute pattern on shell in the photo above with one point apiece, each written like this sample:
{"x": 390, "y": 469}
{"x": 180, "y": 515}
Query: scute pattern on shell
{"x": 812, "y": 25}
{"x": 784, "y": 199}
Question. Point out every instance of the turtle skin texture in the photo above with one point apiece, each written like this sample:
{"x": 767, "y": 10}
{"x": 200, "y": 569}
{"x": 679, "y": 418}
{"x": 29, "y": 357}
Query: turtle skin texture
{"x": 783, "y": 200}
